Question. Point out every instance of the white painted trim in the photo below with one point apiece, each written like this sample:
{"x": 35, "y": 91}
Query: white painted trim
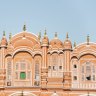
{"x": 85, "y": 43}
{"x": 25, "y": 32}
{"x": 35, "y": 36}
{"x": 86, "y": 52}
{"x": 25, "y": 93}
{"x": 22, "y": 49}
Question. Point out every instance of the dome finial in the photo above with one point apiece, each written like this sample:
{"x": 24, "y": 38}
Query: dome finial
{"x": 24, "y": 27}
{"x": 88, "y": 39}
{"x": 55, "y": 34}
{"x": 39, "y": 35}
{"x": 74, "y": 44}
{"x": 10, "y": 36}
{"x": 3, "y": 33}
{"x": 67, "y": 36}
{"x": 45, "y": 33}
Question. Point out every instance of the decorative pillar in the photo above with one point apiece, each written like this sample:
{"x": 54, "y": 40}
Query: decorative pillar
{"x": 44, "y": 70}
{"x": 2, "y": 65}
{"x": 67, "y": 70}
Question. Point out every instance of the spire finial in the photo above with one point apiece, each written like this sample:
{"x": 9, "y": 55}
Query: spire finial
{"x": 24, "y": 27}
{"x": 39, "y": 35}
{"x": 55, "y": 34}
{"x": 74, "y": 44}
{"x": 45, "y": 33}
{"x": 88, "y": 39}
{"x": 3, "y": 33}
{"x": 10, "y": 36}
{"x": 67, "y": 36}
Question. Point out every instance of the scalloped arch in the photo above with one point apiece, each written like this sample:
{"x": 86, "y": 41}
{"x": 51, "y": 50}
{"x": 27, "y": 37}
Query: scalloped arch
{"x": 21, "y": 50}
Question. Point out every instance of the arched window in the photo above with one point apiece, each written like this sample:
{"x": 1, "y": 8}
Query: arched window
{"x": 88, "y": 71}
{"x": 37, "y": 63}
{"x": 36, "y": 70}
{"x": 22, "y": 71}
{"x": 8, "y": 68}
{"x": 9, "y": 71}
{"x": 55, "y": 65}
{"x": 55, "y": 61}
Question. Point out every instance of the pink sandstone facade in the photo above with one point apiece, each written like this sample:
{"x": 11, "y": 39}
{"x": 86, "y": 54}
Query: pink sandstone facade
{"x": 31, "y": 66}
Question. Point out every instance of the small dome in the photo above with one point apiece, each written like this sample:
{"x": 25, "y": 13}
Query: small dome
{"x": 4, "y": 41}
{"x": 45, "y": 40}
{"x": 56, "y": 42}
{"x": 67, "y": 44}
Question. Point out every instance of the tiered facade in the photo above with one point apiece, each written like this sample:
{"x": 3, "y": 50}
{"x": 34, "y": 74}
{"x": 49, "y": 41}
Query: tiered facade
{"x": 31, "y": 66}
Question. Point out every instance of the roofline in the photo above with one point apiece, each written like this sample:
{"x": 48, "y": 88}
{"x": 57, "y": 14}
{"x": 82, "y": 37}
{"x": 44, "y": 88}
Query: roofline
{"x": 85, "y": 43}
{"x": 25, "y": 32}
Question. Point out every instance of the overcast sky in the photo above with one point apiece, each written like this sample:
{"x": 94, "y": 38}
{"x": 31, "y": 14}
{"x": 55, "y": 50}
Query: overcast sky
{"x": 77, "y": 17}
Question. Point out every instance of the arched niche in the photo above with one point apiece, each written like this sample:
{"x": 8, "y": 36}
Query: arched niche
{"x": 37, "y": 69}
{"x": 22, "y": 69}
{"x": 8, "y": 66}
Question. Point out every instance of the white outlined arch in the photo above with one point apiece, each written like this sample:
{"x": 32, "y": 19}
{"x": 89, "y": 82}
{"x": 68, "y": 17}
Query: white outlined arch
{"x": 26, "y": 93}
{"x": 32, "y": 53}
{"x": 22, "y": 49}
{"x": 84, "y": 52}
{"x": 31, "y": 35}
{"x": 55, "y": 51}
{"x": 91, "y": 52}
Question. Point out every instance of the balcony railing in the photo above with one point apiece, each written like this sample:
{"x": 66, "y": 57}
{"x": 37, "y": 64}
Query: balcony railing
{"x": 84, "y": 85}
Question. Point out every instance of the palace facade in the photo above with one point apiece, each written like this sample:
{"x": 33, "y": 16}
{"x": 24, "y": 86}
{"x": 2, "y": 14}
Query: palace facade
{"x": 31, "y": 66}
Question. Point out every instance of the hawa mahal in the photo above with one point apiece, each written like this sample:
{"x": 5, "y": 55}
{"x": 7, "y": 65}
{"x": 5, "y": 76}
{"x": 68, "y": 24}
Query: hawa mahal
{"x": 34, "y": 66}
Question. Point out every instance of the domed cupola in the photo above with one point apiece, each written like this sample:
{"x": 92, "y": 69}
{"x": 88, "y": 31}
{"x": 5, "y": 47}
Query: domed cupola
{"x": 67, "y": 43}
{"x": 4, "y": 40}
{"x": 56, "y": 42}
{"x": 45, "y": 40}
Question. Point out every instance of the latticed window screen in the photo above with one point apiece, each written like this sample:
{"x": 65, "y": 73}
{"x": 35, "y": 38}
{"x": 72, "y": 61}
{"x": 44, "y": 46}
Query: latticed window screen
{"x": 28, "y": 74}
{"x": 16, "y": 75}
{"x": 23, "y": 70}
{"x": 55, "y": 65}
{"x": 28, "y": 66}
{"x": 88, "y": 71}
{"x": 82, "y": 69}
{"x": 17, "y": 66}
{"x": 23, "y": 65}
{"x": 9, "y": 68}
{"x": 37, "y": 74}
{"x": 82, "y": 77}
{"x": 93, "y": 69}
{"x": 88, "y": 68}
{"x": 37, "y": 70}
{"x": 55, "y": 62}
